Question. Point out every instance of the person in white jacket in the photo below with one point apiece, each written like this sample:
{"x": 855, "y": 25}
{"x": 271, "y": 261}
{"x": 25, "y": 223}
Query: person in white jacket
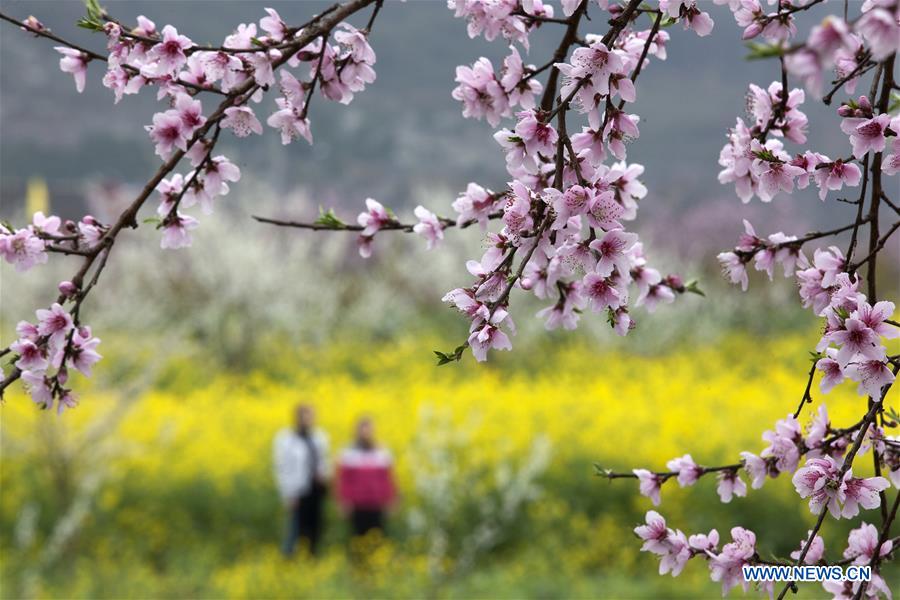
{"x": 301, "y": 472}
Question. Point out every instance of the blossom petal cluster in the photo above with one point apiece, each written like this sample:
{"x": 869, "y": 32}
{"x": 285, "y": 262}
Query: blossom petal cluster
{"x": 675, "y": 549}
{"x": 181, "y": 73}
{"x": 47, "y": 349}
{"x": 564, "y": 212}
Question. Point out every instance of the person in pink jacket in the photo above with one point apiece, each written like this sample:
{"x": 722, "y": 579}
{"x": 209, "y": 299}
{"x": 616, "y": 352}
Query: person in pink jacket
{"x": 365, "y": 480}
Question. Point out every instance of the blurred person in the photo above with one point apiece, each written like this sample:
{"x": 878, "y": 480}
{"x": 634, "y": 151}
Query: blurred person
{"x": 365, "y": 481}
{"x": 301, "y": 471}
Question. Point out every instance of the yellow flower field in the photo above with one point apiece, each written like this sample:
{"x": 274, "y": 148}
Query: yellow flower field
{"x": 172, "y": 485}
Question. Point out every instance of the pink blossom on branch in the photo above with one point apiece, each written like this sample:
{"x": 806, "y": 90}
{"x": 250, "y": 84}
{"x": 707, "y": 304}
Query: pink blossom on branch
{"x": 816, "y": 550}
{"x": 23, "y": 249}
{"x": 730, "y": 485}
{"x": 821, "y": 481}
{"x": 74, "y": 62}
{"x": 55, "y": 324}
{"x": 177, "y": 231}
{"x": 242, "y": 121}
{"x": 688, "y": 471}
{"x": 862, "y": 545}
{"x": 650, "y": 484}
{"x": 169, "y": 53}
{"x": 168, "y": 133}
{"x": 375, "y": 217}
{"x": 866, "y": 134}
{"x": 429, "y": 227}
{"x": 31, "y": 356}
{"x": 726, "y": 566}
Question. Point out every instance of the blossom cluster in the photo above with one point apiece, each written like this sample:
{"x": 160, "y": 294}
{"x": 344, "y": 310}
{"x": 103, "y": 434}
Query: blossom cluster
{"x": 852, "y": 345}
{"x": 759, "y": 165}
{"x": 491, "y": 96}
{"x": 46, "y": 350}
{"x": 243, "y": 67}
{"x": 201, "y": 186}
{"x": 856, "y": 325}
{"x": 29, "y": 246}
{"x": 822, "y": 478}
{"x": 566, "y": 215}
{"x": 763, "y": 168}
{"x": 143, "y": 57}
{"x": 509, "y": 19}
{"x": 674, "y": 549}
{"x": 564, "y": 211}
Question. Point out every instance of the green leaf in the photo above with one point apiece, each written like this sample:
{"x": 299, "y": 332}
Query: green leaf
{"x": 894, "y": 103}
{"x": 329, "y": 219}
{"x": 601, "y": 470}
{"x": 95, "y": 16}
{"x": 667, "y": 22}
{"x": 760, "y": 51}
{"x": 694, "y": 288}
{"x": 766, "y": 155}
{"x": 445, "y": 358}
{"x": 89, "y": 24}
{"x": 154, "y": 220}
{"x": 94, "y": 10}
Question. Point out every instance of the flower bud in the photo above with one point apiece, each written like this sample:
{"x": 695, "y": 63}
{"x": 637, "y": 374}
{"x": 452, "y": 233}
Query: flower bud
{"x": 864, "y": 104}
{"x": 675, "y": 282}
{"x": 752, "y": 30}
{"x": 68, "y": 289}
{"x": 32, "y": 23}
{"x": 113, "y": 31}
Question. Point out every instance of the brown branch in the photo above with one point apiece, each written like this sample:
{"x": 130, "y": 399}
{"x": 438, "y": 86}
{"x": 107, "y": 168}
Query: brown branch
{"x": 90, "y": 54}
{"x": 390, "y": 226}
{"x": 807, "y": 396}
{"x": 46, "y": 33}
{"x": 288, "y": 43}
{"x": 874, "y": 244}
{"x": 859, "y": 209}
{"x": 879, "y": 245}
{"x": 862, "y": 68}
{"x": 560, "y": 54}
